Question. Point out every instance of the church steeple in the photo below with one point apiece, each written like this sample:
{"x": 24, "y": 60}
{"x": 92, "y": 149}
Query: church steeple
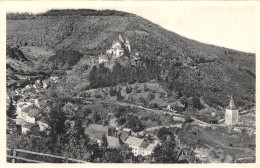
{"x": 231, "y": 104}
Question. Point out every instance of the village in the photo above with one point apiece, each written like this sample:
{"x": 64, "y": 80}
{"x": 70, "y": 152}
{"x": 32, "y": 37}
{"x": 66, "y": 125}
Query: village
{"x": 29, "y": 118}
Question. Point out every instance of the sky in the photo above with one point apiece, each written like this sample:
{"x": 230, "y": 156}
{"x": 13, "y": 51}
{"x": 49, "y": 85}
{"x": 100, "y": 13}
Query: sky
{"x": 223, "y": 24}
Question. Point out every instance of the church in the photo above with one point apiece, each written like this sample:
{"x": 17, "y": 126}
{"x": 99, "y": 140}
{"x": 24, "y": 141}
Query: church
{"x": 231, "y": 116}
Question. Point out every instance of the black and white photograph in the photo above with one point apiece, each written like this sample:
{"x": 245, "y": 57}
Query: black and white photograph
{"x": 129, "y": 82}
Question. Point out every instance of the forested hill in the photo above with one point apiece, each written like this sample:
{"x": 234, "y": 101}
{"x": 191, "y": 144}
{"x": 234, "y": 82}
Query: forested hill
{"x": 186, "y": 65}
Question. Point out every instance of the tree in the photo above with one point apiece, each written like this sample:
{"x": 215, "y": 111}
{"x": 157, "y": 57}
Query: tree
{"x": 165, "y": 153}
{"x": 163, "y": 132}
{"x": 113, "y": 156}
{"x": 151, "y": 96}
{"x": 11, "y": 110}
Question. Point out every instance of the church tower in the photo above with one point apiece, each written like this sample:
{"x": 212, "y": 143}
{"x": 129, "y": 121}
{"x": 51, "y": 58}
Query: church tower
{"x": 231, "y": 116}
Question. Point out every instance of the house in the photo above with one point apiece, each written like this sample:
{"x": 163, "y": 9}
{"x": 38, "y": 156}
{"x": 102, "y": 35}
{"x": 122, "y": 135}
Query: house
{"x": 103, "y": 58}
{"x": 186, "y": 154}
{"x": 177, "y": 106}
{"x": 31, "y": 115}
{"x": 29, "y": 127}
{"x": 231, "y": 115}
{"x": 27, "y": 112}
{"x": 20, "y": 106}
{"x": 138, "y": 145}
{"x": 42, "y": 123}
{"x": 96, "y": 131}
{"x": 113, "y": 142}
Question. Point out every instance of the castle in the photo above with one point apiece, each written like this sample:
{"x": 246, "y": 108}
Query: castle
{"x": 118, "y": 49}
{"x": 231, "y": 116}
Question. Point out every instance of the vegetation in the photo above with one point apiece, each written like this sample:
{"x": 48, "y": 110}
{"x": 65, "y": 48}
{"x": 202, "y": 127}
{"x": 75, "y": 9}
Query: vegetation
{"x": 172, "y": 69}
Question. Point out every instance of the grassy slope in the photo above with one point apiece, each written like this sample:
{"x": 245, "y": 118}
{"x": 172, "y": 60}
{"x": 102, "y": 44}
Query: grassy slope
{"x": 230, "y": 73}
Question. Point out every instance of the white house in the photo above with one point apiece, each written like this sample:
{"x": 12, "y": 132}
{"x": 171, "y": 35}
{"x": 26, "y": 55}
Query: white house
{"x": 138, "y": 145}
{"x": 26, "y": 127}
{"x": 29, "y": 115}
{"x": 20, "y": 106}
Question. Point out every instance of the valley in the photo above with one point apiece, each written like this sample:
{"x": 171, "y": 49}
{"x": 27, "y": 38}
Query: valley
{"x": 112, "y": 87}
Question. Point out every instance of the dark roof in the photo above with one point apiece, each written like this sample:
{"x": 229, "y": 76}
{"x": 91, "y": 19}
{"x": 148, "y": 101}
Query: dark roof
{"x": 34, "y": 112}
{"x": 177, "y": 104}
{"x": 144, "y": 144}
{"x": 123, "y": 136}
{"x": 113, "y": 142}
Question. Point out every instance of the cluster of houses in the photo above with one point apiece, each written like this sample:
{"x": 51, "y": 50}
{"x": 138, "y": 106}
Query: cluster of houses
{"x": 139, "y": 146}
{"x": 119, "y": 49}
{"x": 29, "y": 118}
{"x": 28, "y": 108}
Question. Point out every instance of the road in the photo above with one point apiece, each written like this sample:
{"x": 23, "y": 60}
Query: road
{"x": 141, "y": 107}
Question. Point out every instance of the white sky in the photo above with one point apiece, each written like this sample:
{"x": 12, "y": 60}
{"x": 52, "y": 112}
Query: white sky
{"x": 223, "y": 24}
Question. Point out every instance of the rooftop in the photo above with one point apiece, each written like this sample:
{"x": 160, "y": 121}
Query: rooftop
{"x": 150, "y": 147}
{"x": 177, "y": 104}
{"x": 133, "y": 141}
{"x": 113, "y": 142}
{"x": 123, "y": 136}
{"x": 34, "y": 112}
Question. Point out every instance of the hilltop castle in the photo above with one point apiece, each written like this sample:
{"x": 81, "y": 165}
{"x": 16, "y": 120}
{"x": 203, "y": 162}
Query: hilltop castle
{"x": 117, "y": 50}
{"x": 231, "y": 116}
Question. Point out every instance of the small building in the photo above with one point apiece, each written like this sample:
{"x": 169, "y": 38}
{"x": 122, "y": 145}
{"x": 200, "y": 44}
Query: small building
{"x": 20, "y": 106}
{"x": 176, "y": 106}
{"x": 138, "y": 145}
{"x": 102, "y": 58}
{"x": 231, "y": 116}
{"x": 29, "y": 127}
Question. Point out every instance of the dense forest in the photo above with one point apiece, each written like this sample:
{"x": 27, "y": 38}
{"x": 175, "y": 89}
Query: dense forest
{"x": 68, "y": 12}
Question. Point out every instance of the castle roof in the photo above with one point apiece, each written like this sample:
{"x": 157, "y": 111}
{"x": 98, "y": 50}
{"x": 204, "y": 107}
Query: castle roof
{"x": 232, "y": 104}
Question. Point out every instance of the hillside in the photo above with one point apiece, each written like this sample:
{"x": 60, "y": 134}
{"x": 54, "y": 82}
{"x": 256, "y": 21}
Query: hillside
{"x": 187, "y": 66}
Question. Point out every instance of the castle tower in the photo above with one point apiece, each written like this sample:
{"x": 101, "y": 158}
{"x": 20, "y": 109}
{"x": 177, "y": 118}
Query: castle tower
{"x": 127, "y": 45}
{"x": 231, "y": 116}
{"x": 120, "y": 38}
